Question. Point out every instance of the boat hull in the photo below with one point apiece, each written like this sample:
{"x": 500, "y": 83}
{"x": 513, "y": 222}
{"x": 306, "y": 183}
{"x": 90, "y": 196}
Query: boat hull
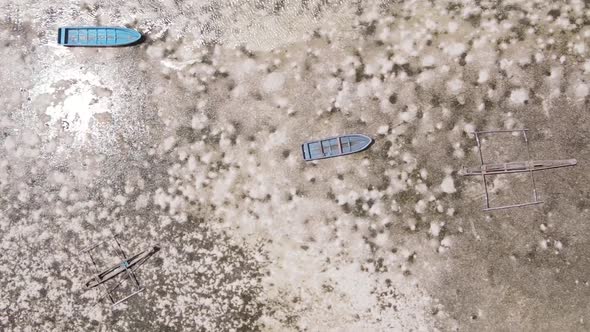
{"x": 335, "y": 146}
{"x": 97, "y": 36}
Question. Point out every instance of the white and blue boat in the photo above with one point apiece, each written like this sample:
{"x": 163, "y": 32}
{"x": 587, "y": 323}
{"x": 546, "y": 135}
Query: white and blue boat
{"x": 97, "y": 36}
{"x": 335, "y": 146}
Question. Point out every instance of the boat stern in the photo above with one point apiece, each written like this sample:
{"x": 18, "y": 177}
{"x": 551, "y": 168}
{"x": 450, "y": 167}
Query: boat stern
{"x": 304, "y": 150}
{"x": 61, "y": 36}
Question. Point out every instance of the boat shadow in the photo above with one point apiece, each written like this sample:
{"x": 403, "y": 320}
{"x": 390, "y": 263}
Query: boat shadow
{"x": 369, "y": 145}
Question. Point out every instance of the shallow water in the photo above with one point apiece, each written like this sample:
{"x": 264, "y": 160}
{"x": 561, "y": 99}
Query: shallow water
{"x": 191, "y": 141}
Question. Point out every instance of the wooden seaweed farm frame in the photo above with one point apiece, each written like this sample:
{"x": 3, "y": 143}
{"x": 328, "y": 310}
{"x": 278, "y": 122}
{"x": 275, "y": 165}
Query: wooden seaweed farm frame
{"x": 121, "y": 272}
{"x": 528, "y": 166}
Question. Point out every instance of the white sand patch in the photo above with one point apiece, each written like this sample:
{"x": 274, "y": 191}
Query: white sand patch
{"x": 543, "y": 244}
{"x": 435, "y": 228}
{"x": 428, "y": 61}
{"x": 156, "y": 51}
{"x": 199, "y": 121}
{"x": 452, "y": 26}
{"x": 243, "y": 69}
{"x": 427, "y": 79}
{"x": 581, "y": 90}
{"x": 273, "y": 82}
{"x": 519, "y": 96}
{"x": 5, "y": 122}
{"x": 424, "y": 173}
{"x": 455, "y": 86}
{"x": 168, "y": 144}
{"x": 344, "y": 99}
{"x": 421, "y": 188}
{"x": 382, "y": 130}
{"x": 469, "y": 128}
{"x": 30, "y": 138}
{"x": 24, "y": 195}
{"x": 483, "y": 77}
{"x": 9, "y": 143}
{"x": 120, "y": 199}
{"x": 409, "y": 114}
{"x": 580, "y": 48}
{"x": 455, "y": 49}
{"x": 445, "y": 244}
{"x": 448, "y": 185}
{"x": 421, "y": 206}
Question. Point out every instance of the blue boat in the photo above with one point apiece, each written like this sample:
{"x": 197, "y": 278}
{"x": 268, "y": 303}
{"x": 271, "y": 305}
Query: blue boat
{"x": 97, "y": 36}
{"x": 335, "y": 146}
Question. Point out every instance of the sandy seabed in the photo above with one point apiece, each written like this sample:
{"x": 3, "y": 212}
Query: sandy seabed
{"x": 191, "y": 141}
